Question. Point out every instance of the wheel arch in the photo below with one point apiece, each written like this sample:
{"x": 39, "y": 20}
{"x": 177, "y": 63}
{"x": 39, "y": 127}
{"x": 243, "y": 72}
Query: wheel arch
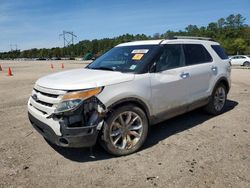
{"x": 224, "y": 81}
{"x": 134, "y": 101}
{"x": 245, "y": 63}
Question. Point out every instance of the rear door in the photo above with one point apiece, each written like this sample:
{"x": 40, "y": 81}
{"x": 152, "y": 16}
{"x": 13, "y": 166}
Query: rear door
{"x": 201, "y": 70}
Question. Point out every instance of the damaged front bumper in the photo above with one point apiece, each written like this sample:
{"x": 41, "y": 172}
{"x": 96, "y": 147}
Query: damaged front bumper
{"x": 78, "y": 128}
{"x": 71, "y": 137}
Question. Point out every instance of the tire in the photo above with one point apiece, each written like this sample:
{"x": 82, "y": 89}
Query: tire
{"x": 217, "y": 101}
{"x": 125, "y": 130}
{"x": 246, "y": 64}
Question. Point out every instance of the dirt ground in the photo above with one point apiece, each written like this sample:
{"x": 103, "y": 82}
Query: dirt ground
{"x": 192, "y": 150}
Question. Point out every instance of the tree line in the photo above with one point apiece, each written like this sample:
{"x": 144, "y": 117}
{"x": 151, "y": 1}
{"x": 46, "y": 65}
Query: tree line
{"x": 231, "y": 32}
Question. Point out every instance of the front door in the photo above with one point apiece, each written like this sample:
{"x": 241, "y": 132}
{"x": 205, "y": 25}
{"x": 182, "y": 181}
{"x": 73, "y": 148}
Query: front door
{"x": 170, "y": 82}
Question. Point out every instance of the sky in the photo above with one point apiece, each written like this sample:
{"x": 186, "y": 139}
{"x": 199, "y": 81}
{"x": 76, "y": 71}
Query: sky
{"x": 38, "y": 23}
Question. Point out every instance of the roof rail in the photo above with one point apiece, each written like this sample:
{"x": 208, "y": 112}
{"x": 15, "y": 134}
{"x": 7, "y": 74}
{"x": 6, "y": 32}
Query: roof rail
{"x": 190, "y": 37}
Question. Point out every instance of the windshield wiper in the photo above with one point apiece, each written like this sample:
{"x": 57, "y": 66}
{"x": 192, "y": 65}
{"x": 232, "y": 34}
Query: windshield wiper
{"x": 102, "y": 68}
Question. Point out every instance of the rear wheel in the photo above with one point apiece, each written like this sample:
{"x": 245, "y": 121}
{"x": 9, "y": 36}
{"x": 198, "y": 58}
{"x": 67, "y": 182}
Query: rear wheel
{"x": 246, "y": 64}
{"x": 125, "y": 130}
{"x": 217, "y": 100}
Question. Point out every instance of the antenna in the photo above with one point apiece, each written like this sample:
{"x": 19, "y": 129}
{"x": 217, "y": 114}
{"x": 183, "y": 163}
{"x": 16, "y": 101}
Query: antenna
{"x": 68, "y": 38}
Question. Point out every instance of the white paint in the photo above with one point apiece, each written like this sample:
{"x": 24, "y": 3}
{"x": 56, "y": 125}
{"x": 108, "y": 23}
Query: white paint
{"x": 79, "y": 79}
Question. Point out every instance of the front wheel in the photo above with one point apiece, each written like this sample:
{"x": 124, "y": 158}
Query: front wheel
{"x": 125, "y": 131}
{"x": 217, "y": 100}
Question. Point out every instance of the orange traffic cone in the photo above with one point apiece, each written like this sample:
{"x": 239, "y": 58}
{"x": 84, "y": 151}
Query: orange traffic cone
{"x": 1, "y": 68}
{"x": 9, "y": 72}
{"x": 51, "y": 66}
{"x": 62, "y": 66}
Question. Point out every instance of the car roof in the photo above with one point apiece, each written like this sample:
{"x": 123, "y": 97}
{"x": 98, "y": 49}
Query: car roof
{"x": 167, "y": 41}
{"x": 240, "y": 55}
{"x": 141, "y": 42}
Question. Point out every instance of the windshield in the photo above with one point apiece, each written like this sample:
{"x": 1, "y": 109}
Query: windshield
{"x": 125, "y": 58}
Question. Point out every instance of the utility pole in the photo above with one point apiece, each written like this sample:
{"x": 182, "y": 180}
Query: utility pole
{"x": 68, "y": 38}
{"x": 13, "y": 49}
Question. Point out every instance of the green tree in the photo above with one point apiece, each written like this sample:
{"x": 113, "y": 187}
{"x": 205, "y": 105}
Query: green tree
{"x": 56, "y": 52}
{"x": 192, "y": 30}
{"x": 221, "y": 23}
{"x": 235, "y": 21}
{"x": 239, "y": 45}
{"x": 157, "y": 36}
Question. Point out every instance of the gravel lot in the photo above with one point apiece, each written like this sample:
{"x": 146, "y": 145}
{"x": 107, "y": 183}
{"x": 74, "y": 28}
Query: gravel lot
{"x": 192, "y": 150}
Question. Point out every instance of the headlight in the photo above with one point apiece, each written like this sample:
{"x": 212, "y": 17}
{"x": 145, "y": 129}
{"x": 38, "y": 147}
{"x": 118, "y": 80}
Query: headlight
{"x": 73, "y": 99}
{"x": 67, "y": 105}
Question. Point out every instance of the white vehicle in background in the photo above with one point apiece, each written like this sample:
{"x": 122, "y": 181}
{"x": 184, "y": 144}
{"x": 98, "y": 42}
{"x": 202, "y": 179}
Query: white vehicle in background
{"x": 242, "y": 60}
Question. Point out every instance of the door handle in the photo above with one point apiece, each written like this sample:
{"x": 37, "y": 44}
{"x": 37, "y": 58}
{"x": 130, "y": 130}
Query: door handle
{"x": 185, "y": 75}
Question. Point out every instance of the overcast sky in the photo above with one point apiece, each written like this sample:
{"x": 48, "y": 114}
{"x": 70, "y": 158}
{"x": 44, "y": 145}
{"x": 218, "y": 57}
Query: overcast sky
{"x": 38, "y": 23}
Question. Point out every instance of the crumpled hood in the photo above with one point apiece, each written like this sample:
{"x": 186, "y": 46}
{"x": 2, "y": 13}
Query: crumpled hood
{"x": 78, "y": 79}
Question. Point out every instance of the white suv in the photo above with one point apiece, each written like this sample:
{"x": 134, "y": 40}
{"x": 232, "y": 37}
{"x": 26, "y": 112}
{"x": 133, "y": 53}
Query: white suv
{"x": 132, "y": 86}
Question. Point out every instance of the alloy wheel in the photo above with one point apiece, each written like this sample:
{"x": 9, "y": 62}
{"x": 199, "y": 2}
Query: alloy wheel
{"x": 219, "y": 98}
{"x": 126, "y": 130}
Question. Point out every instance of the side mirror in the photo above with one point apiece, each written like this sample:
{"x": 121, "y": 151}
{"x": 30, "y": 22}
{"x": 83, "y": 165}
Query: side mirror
{"x": 152, "y": 68}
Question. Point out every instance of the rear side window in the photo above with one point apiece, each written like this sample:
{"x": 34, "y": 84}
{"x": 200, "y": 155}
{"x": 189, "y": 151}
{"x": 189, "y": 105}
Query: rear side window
{"x": 220, "y": 51}
{"x": 196, "y": 54}
{"x": 242, "y": 57}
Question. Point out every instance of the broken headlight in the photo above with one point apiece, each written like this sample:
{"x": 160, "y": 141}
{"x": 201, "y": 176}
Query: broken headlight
{"x": 72, "y": 100}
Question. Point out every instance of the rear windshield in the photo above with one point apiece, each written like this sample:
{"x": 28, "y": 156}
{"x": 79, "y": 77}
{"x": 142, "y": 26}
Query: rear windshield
{"x": 220, "y": 51}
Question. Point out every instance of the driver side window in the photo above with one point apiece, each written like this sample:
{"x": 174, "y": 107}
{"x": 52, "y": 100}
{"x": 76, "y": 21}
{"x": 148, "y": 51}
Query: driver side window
{"x": 171, "y": 57}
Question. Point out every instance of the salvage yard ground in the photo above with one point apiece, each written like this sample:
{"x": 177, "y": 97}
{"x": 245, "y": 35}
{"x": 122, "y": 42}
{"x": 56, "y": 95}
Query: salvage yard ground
{"x": 191, "y": 150}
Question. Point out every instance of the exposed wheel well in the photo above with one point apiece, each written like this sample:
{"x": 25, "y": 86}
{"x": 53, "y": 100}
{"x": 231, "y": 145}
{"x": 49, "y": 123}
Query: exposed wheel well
{"x": 134, "y": 101}
{"x": 224, "y": 82}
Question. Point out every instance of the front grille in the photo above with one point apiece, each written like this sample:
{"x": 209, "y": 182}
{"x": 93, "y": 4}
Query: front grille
{"x": 45, "y": 103}
{"x": 45, "y": 100}
{"x": 44, "y": 113}
{"x": 46, "y": 94}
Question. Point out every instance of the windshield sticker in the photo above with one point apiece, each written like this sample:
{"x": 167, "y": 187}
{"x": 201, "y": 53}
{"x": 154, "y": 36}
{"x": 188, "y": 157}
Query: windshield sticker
{"x": 137, "y": 57}
{"x": 140, "y": 51}
{"x": 132, "y": 67}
